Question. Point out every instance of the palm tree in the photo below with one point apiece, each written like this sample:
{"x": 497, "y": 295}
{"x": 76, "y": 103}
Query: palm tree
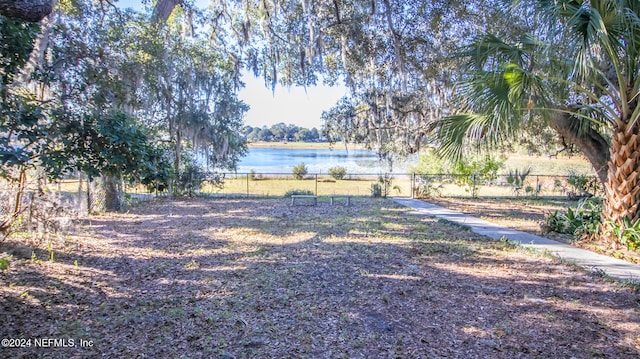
{"x": 579, "y": 72}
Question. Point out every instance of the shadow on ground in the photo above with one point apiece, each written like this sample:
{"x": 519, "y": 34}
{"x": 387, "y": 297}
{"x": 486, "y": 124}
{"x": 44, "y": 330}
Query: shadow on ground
{"x": 204, "y": 278}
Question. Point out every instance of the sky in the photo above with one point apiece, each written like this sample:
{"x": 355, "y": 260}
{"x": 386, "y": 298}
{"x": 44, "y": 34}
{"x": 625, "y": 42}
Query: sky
{"x": 293, "y": 105}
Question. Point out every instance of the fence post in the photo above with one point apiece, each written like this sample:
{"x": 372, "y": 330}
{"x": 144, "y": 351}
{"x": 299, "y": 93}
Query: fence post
{"x": 247, "y": 185}
{"x": 413, "y": 185}
{"x": 316, "y": 184}
{"x": 473, "y": 185}
{"x": 385, "y": 186}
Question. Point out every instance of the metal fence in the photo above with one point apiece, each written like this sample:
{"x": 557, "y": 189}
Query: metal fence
{"x": 400, "y": 185}
{"x": 77, "y": 197}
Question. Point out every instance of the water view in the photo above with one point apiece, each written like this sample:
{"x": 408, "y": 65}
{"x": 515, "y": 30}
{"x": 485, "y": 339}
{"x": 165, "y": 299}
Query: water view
{"x": 282, "y": 160}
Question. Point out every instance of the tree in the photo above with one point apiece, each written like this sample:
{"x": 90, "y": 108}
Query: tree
{"x": 265, "y": 134}
{"x": 303, "y": 135}
{"x": 27, "y": 10}
{"x": 89, "y": 63}
{"x": 578, "y": 71}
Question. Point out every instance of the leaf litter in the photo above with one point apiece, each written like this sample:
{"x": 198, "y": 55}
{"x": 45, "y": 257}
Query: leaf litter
{"x": 237, "y": 278}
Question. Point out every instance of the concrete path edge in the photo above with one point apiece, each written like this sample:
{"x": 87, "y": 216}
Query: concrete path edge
{"x": 591, "y": 261}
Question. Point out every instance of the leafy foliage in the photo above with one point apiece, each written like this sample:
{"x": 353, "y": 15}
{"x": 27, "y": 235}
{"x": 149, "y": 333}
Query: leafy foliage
{"x": 475, "y": 170}
{"x": 338, "y": 172}
{"x": 582, "y": 185}
{"x": 190, "y": 178}
{"x": 384, "y": 186}
{"x": 584, "y": 221}
{"x": 429, "y": 186}
{"x": 627, "y": 233}
{"x": 113, "y": 144}
{"x": 516, "y": 179}
{"x": 300, "y": 170}
{"x": 431, "y": 162}
{"x": 298, "y": 192}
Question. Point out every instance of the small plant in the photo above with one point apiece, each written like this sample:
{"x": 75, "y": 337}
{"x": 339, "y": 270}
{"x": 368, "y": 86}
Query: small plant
{"x": 582, "y": 185}
{"x": 337, "y": 172}
{"x": 4, "y": 263}
{"x": 189, "y": 179}
{"x": 300, "y": 170}
{"x": 627, "y": 233}
{"x": 475, "y": 171}
{"x": 427, "y": 187}
{"x": 298, "y": 192}
{"x": 582, "y": 221}
{"x": 383, "y": 186}
{"x": 516, "y": 179}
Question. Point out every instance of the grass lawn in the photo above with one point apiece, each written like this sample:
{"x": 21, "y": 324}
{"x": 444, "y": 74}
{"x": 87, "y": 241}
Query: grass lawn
{"x": 274, "y": 186}
{"x": 236, "y": 278}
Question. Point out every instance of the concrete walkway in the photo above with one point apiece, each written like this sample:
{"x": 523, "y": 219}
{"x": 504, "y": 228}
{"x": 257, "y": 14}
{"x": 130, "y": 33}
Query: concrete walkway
{"x": 589, "y": 260}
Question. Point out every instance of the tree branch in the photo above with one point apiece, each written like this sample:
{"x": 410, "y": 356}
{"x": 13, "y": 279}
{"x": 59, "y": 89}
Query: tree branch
{"x": 27, "y": 10}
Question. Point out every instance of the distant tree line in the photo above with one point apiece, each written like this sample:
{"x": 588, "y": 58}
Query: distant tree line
{"x": 281, "y": 132}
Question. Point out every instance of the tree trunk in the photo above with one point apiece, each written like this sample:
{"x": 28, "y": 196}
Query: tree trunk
{"x": 27, "y": 10}
{"x": 112, "y": 193}
{"x": 105, "y": 194}
{"x": 163, "y": 9}
{"x": 623, "y": 183}
{"x": 36, "y": 58}
{"x": 177, "y": 151}
{"x": 589, "y": 141}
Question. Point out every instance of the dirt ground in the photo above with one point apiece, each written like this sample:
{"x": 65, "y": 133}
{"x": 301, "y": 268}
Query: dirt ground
{"x": 224, "y": 278}
{"x": 528, "y": 215}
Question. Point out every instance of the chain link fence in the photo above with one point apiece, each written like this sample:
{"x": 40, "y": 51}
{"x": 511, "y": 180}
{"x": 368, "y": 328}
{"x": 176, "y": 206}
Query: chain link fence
{"x": 401, "y": 185}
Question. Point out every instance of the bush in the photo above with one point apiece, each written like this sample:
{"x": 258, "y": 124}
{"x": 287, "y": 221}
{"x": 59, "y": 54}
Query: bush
{"x": 627, "y": 233}
{"x": 474, "y": 171}
{"x": 582, "y": 185}
{"x": 427, "y": 187}
{"x": 383, "y": 186}
{"x": 300, "y": 170}
{"x": 291, "y": 192}
{"x": 338, "y": 172}
{"x": 582, "y": 221}
{"x": 517, "y": 178}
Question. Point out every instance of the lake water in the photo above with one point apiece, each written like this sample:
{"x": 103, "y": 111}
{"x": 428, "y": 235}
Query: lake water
{"x": 282, "y": 160}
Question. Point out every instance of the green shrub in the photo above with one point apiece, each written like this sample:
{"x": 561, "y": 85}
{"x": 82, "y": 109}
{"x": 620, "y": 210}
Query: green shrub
{"x": 189, "y": 180}
{"x": 476, "y": 170}
{"x": 582, "y": 185}
{"x": 4, "y": 263}
{"x": 300, "y": 170}
{"x": 517, "y": 178}
{"x": 428, "y": 187}
{"x": 338, "y": 172}
{"x": 627, "y": 233}
{"x": 291, "y": 192}
{"x": 383, "y": 186}
{"x": 582, "y": 221}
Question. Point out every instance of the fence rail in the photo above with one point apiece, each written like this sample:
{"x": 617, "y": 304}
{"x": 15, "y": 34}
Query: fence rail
{"x": 401, "y": 185}
{"x": 76, "y": 195}
{"x": 45, "y": 208}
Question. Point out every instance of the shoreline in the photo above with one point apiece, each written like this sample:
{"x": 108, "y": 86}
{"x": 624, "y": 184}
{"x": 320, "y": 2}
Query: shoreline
{"x": 305, "y": 145}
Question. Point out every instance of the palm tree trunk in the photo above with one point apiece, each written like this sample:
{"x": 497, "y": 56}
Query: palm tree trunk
{"x": 622, "y": 190}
